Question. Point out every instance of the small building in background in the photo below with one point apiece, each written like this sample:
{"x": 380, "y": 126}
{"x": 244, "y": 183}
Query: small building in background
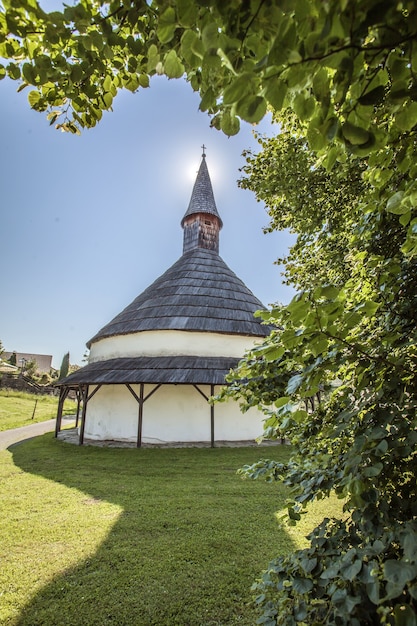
{"x": 43, "y": 361}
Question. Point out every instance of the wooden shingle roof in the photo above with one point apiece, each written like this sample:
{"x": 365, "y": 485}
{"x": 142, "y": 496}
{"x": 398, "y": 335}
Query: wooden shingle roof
{"x": 202, "y": 197}
{"x": 154, "y": 370}
{"x": 198, "y": 293}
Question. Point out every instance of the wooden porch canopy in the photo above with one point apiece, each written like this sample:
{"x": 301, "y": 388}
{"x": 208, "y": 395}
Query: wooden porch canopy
{"x": 169, "y": 370}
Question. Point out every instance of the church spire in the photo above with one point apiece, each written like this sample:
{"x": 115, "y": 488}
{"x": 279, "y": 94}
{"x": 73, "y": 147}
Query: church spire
{"x": 202, "y": 222}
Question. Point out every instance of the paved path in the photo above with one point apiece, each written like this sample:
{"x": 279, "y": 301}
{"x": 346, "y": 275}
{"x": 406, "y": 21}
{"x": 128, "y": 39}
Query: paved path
{"x": 9, "y": 437}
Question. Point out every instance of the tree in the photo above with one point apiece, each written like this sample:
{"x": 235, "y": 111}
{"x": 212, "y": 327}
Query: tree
{"x": 1, "y": 348}
{"x": 320, "y": 207}
{"x": 13, "y": 358}
{"x": 63, "y": 372}
{"x": 349, "y": 336}
{"x": 30, "y": 368}
{"x": 348, "y": 71}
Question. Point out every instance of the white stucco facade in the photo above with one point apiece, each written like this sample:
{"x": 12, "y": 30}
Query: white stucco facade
{"x": 170, "y": 343}
{"x": 174, "y": 413}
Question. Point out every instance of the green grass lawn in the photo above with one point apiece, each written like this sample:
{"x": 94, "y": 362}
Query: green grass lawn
{"x": 18, "y": 408}
{"x": 99, "y": 536}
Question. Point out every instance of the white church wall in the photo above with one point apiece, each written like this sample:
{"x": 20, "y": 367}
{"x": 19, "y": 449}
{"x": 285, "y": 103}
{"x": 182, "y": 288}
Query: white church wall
{"x": 174, "y": 413}
{"x": 231, "y": 424}
{"x": 171, "y": 343}
{"x": 112, "y": 414}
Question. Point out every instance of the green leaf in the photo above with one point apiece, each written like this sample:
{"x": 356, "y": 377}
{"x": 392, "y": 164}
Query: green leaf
{"x": 394, "y": 203}
{"x": 282, "y": 401}
{"x": 107, "y": 83}
{"x": 187, "y": 13}
{"x": 319, "y": 346}
{"x": 375, "y": 96}
{"x": 370, "y": 307}
{"x": 299, "y": 309}
{"x": 192, "y": 47}
{"x": 167, "y": 25}
{"x": 329, "y": 291}
{"x": 34, "y": 97}
{"x": 108, "y": 100}
{"x": 241, "y": 86}
{"x": 29, "y": 73}
{"x": 210, "y": 36}
{"x": 304, "y": 107}
{"x": 131, "y": 82}
{"x": 275, "y": 93}
{"x": 399, "y": 572}
{"x": 294, "y": 383}
{"x": 251, "y": 108}
{"x": 274, "y": 352}
{"x": 172, "y": 65}
{"x": 208, "y": 100}
{"x": 351, "y": 571}
{"x": 404, "y": 615}
{"x": 406, "y": 119}
{"x": 355, "y": 134}
{"x": 410, "y": 545}
{"x": 302, "y": 585}
{"x": 308, "y": 564}
{"x": 76, "y": 73}
{"x": 230, "y": 124}
{"x": 153, "y": 58}
{"x": 13, "y": 71}
{"x": 373, "y": 470}
{"x": 372, "y": 589}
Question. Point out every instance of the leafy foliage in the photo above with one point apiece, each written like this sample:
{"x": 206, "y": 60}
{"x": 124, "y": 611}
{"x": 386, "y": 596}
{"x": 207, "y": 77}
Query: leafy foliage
{"x": 349, "y": 339}
{"x": 342, "y": 77}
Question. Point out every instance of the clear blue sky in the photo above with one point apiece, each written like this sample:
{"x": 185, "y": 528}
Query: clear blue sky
{"x": 87, "y": 223}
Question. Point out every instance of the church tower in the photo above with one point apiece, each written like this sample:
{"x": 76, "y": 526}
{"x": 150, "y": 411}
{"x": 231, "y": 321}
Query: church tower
{"x": 201, "y": 222}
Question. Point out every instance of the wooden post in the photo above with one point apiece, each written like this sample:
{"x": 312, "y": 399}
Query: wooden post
{"x": 78, "y": 393}
{"x": 212, "y": 417}
{"x": 83, "y": 414}
{"x": 62, "y": 396}
{"x": 34, "y": 408}
{"x": 140, "y": 417}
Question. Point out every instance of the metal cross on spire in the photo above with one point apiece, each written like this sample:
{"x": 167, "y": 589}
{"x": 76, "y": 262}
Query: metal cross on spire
{"x": 204, "y": 150}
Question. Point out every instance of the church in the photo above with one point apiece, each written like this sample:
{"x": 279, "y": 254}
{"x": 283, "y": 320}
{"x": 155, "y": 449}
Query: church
{"x": 153, "y": 368}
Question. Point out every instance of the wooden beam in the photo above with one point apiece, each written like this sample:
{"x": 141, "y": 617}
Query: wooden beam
{"x": 152, "y": 392}
{"x": 141, "y": 399}
{"x": 212, "y": 417}
{"x": 94, "y": 392}
{"x": 140, "y": 416}
{"x": 78, "y": 394}
{"x": 63, "y": 392}
{"x": 201, "y": 392}
{"x": 83, "y": 414}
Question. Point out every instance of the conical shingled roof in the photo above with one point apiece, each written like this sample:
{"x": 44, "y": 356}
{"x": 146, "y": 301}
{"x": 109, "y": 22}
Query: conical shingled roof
{"x": 202, "y": 197}
{"x": 198, "y": 293}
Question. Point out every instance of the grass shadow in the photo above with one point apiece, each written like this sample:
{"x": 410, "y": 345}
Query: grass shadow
{"x": 181, "y": 536}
